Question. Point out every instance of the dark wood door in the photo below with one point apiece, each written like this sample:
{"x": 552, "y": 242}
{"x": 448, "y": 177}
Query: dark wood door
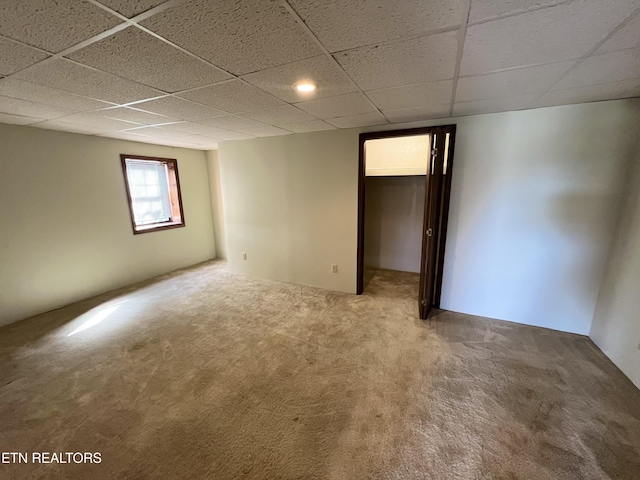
{"x": 438, "y": 188}
{"x": 431, "y": 224}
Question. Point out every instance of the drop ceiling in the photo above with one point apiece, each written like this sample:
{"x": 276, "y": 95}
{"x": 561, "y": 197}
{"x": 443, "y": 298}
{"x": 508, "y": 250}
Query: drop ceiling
{"x": 194, "y": 73}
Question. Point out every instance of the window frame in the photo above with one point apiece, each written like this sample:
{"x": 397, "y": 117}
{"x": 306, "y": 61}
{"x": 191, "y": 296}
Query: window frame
{"x": 172, "y": 165}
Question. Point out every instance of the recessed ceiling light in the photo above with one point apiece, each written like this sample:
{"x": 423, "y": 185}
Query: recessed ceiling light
{"x": 305, "y": 86}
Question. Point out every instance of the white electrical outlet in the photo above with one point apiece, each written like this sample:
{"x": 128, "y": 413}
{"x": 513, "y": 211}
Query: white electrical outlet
{"x": 334, "y": 268}
{"x": 244, "y": 256}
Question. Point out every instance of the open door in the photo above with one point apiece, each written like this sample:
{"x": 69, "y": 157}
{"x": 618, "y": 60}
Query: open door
{"x": 436, "y": 211}
{"x": 431, "y": 224}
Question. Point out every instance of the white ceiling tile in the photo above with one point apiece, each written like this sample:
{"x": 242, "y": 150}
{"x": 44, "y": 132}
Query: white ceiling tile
{"x": 216, "y": 134}
{"x": 18, "y": 119}
{"x": 494, "y": 105}
{"x": 591, "y": 93}
{"x": 309, "y": 126}
{"x": 511, "y": 83}
{"x": 549, "y": 35}
{"x": 608, "y": 67}
{"x": 142, "y": 139}
{"x": 485, "y": 9}
{"x": 93, "y": 119}
{"x": 133, "y": 115}
{"x": 265, "y": 33}
{"x": 53, "y": 25}
{"x": 189, "y": 146}
{"x": 138, "y": 56}
{"x": 211, "y": 146}
{"x": 192, "y": 146}
{"x": 70, "y": 127}
{"x": 361, "y": 120}
{"x": 189, "y": 128}
{"x": 227, "y": 135}
{"x": 340, "y": 106}
{"x": 74, "y": 78}
{"x": 196, "y": 140}
{"x": 200, "y": 129}
{"x": 133, "y": 137}
{"x": 279, "y": 115}
{"x": 417, "y": 113}
{"x": 627, "y": 37}
{"x": 411, "y": 96}
{"x": 131, "y": 8}
{"x": 211, "y": 138}
{"x": 405, "y": 62}
{"x": 232, "y": 122}
{"x": 157, "y": 132}
{"x": 16, "y": 106}
{"x": 179, "y": 108}
{"x": 49, "y": 96}
{"x": 15, "y": 56}
{"x": 266, "y": 131}
{"x": 233, "y": 97}
{"x": 378, "y": 21}
{"x": 329, "y": 77}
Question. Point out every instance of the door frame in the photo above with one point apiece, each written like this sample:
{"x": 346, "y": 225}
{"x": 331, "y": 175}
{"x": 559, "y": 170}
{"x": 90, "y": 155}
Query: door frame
{"x": 446, "y": 191}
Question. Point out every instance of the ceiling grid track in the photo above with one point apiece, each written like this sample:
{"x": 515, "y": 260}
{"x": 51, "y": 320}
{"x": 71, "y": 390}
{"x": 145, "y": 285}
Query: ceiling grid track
{"x": 462, "y": 34}
{"x": 516, "y": 13}
{"x": 403, "y": 38}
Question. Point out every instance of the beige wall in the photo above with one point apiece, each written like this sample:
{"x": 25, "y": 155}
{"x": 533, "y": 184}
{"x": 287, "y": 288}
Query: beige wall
{"x": 217, "y": 212}
{"x": 290, "y": 204}
{"x": 532, "y": 213}
{"x": 616, "y": 323}
{"x": 65, "y": 227}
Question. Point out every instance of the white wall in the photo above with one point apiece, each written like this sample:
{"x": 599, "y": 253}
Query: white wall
{"x": 394, "y": 210}
{"x": 217, "y": 212}
{"x": 65, "y": 227}
{"x": 532, "y": 209}
{"x": 616, "y": 323}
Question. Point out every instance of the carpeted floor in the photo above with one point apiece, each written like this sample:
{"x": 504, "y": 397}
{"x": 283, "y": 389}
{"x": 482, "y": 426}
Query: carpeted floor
{"x": 205, "y": 374}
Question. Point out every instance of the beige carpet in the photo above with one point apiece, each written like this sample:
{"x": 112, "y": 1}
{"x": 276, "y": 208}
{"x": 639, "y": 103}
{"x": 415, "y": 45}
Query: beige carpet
{"x": 204, "y": 374}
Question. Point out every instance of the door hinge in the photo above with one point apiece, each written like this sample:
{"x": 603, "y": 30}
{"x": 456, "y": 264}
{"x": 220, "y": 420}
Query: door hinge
{"x": 423, "y": 302}
{"x": 429, "y": 232}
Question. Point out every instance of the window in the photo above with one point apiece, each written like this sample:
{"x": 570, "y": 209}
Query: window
{"x": 153, "y": 191}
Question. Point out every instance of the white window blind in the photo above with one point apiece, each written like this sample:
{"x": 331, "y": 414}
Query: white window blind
{"x": 397, "y": 156}
{"x": 149, "y": 187}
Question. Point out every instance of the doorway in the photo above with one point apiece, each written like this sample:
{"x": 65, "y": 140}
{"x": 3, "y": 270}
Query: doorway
{"x": 412, "y": 168}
